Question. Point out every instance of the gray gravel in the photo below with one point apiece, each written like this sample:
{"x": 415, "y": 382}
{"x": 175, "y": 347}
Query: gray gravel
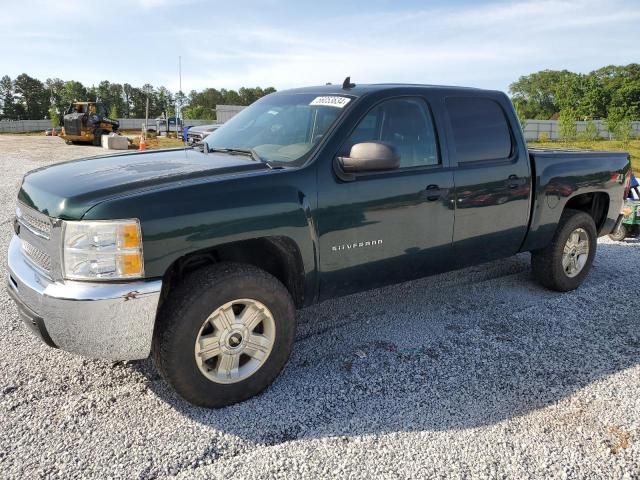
{"x": 477, "y": 373}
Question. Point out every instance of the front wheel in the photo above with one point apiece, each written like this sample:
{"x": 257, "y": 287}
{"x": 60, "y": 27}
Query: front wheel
{"x": 565, "y": 262}
{"x": 224, "y": 334}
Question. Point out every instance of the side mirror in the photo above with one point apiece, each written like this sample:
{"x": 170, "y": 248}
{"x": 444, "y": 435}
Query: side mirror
{"x": 370, "y": 157}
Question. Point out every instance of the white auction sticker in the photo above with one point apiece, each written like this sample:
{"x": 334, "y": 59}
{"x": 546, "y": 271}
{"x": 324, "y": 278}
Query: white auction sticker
{"x": 330, "y": 101}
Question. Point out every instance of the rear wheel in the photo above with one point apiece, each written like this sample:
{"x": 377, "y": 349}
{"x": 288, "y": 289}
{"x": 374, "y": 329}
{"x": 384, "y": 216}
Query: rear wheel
{"x": 619, "y": 234}
{"x": 224, "y": 334}
{"x": 565, "y": 262}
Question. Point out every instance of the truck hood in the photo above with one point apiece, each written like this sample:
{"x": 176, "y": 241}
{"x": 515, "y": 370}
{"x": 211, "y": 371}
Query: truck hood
{"x": 67, "y": 190}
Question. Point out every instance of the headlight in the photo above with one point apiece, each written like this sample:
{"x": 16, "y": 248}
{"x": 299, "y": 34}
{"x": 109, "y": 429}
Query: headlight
{"x": 102, "y": 250}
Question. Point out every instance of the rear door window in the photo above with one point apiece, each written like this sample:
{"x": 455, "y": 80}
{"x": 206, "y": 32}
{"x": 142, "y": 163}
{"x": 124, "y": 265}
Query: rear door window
{"x": 480, "y": 129}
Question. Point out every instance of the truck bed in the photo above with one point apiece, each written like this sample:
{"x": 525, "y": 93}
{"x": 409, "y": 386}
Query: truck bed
{"x": 570, "y": 178}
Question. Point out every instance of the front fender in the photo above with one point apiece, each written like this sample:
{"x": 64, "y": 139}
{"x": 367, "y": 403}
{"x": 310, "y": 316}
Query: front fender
{"x": 188, "y": 218}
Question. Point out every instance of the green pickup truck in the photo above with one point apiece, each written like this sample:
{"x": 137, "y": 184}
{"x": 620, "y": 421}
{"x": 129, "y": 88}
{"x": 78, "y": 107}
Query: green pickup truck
{"x": 201, "y": 256}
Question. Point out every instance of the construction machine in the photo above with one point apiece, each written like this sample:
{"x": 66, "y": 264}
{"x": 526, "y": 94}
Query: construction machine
{"x": 86, "y": 122}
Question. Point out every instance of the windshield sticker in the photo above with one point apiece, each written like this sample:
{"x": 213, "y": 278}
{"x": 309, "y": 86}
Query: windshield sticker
{"x": 330, "y": 101}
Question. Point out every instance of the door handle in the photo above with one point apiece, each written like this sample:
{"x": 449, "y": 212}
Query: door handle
{"x": 433, "y": 193}
{"x": 514, "y": 181}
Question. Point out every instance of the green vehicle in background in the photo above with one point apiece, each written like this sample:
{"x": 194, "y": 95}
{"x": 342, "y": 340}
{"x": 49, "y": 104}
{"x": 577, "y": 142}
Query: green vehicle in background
{"x": 630, "y": 226}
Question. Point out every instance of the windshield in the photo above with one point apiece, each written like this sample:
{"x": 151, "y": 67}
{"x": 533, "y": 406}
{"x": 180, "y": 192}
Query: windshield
{"x": 280, "y": 128}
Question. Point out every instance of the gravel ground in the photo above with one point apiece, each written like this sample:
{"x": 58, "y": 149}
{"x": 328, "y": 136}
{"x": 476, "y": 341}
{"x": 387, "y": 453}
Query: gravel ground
{"x": 478, "y": 373}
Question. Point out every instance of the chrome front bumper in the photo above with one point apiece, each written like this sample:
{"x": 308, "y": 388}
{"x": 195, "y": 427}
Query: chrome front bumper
{"x": 100, "y": 320}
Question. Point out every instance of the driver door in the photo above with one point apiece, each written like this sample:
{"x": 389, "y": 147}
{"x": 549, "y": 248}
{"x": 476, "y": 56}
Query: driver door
{"x": 389, "y": 226}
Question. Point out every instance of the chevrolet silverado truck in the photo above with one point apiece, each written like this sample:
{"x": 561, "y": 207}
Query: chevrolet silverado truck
{"x": 201, "y": 256}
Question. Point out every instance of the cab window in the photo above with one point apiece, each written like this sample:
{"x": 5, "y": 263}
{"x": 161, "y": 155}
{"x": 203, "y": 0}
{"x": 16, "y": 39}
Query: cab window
{"x": 480, "y": 129}
{"x": 404, "y": 123}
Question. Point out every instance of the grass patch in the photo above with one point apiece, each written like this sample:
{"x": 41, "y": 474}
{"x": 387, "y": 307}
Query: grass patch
{"x": 633, "y": 147}
{"x": 164, "y": 142}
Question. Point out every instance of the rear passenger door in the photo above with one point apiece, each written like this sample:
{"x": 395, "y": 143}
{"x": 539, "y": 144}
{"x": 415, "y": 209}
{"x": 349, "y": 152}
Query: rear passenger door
{"x": 492, "y": 178}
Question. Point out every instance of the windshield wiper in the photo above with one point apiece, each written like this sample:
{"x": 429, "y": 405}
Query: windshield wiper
{"x": 250, "y": 152}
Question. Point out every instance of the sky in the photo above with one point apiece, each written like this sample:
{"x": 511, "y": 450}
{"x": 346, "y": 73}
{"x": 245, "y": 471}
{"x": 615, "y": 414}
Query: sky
{"x": 284, "y": 44}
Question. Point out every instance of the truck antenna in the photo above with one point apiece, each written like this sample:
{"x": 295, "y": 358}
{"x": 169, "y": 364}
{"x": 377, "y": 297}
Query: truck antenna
{"x": 346, "y": 85}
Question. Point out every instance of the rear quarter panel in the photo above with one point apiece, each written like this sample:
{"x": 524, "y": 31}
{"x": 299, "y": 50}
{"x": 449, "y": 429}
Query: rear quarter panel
{"x": 561, "y": 176}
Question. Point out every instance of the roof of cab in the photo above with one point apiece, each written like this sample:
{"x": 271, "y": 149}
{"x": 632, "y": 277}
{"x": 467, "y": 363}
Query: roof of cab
{"x": 359, "y": 90}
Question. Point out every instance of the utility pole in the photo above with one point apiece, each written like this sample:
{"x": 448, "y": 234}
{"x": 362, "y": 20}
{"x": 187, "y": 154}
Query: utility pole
{"x": 179, "y": 99}
{"x": 146, "y": 116}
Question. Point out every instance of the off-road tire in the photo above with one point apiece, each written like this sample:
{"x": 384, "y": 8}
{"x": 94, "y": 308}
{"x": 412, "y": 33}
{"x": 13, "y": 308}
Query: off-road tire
{"x": 187, "y": 307}
{"x": 619, "y": 234}
{"x": 546, "y": 263}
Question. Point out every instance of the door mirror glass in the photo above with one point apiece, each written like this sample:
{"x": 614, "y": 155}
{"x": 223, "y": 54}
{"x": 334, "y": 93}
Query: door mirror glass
{"x": 370, "y": 157}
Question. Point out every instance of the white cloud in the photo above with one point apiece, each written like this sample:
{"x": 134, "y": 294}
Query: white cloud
{"x": 482, "y": 44}
{"x": 487, "y": 45}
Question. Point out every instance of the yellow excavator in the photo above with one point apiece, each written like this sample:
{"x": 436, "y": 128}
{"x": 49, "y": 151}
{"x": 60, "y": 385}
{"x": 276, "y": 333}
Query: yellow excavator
{"x": 86, "y": 122}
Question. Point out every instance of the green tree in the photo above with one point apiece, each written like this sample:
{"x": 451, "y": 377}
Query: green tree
{"x": 544, "y": 94}
{"x": 28, "y": 97}
{"x": 138, "y": 103}
{"x": 113, "y": 112}
{"x": 111, "y": 95}
{"x": 6, "y": 98}
{"x": 150, "y": 93}
{"x": 198, "y": 112}
{"x": 92, "y": 93}
{"x": 521, "y": 113}
{"x": 55, "y": 87}
{"x": 127, "y": 92}
{"x": 624, "y": 130}
{"x": 618, "y": 124}
{"x": 73, "y": 92}
{"x": 569, "y": 91}
{"x": 207, "y": 98}
{"x": 165, "y": 100}
{"x": 230, "y": 97}
{"x": 54, "y": 116}
{"x": 567, "y": 125}
{"x": 590, "y": 133}
{"x": 537, "y": 93}
{"x": 32, "y": 95}
{"x": 593, "y": 102}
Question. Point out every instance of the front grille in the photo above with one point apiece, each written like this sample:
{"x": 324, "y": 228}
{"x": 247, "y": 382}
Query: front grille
{"x": 36, "y": 225}
{"x": 39, "y": 258}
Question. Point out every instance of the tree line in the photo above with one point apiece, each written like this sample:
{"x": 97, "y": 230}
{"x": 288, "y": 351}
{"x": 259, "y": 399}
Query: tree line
{"x": 25, "y": 97}
{"x": 611, "y": 92}
{"x": 595, "y": 95}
